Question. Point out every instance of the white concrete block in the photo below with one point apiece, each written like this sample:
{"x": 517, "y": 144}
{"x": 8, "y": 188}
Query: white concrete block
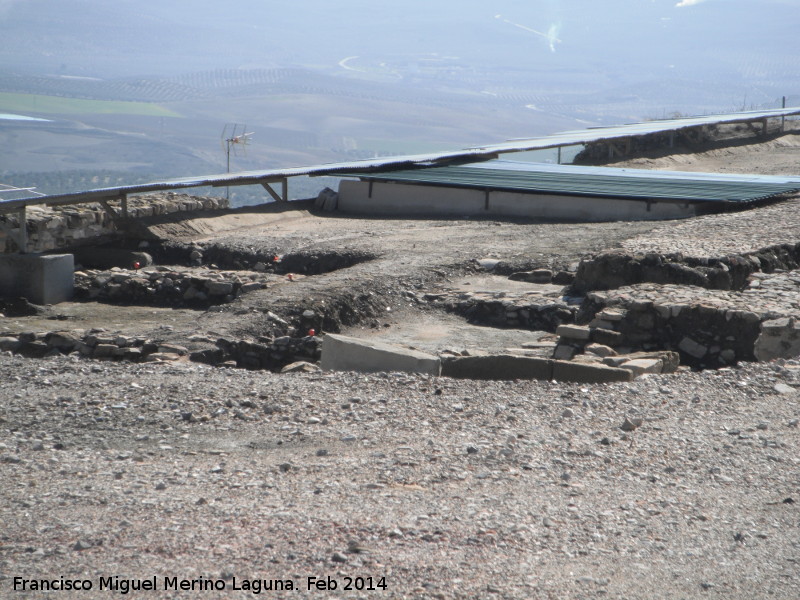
{"x": 42, "y": 279}
{"x": 343, "y": 353}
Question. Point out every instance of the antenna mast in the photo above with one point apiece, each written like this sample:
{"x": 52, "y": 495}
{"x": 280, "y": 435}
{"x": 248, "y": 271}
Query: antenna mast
{"x": 234, "y": 135}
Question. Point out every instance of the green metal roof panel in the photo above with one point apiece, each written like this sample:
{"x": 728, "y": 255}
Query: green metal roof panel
{"x": 572, "y": 183}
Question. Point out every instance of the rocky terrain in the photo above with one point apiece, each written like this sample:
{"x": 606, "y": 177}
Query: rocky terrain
{"x": 679, "y": 485}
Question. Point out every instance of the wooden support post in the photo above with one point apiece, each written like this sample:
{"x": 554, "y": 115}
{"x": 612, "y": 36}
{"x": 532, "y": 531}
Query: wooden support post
{"x": 115, "y": 218}
{"x": 783, "y": 117}
{"x": 284, "y": 196}
{"x": 764, "y": 126}
{"x": 23, "y": 230}
{"x": 124, "y": 206}
{"x": 19, "y": 235}
{"x": 22, "y": 233}
{"x": 614, "y": 150}
{"x": 558, "y": 162}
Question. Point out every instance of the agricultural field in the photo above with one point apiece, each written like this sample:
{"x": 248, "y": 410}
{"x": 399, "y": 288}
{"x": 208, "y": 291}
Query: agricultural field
{"x": 55, "y": 105}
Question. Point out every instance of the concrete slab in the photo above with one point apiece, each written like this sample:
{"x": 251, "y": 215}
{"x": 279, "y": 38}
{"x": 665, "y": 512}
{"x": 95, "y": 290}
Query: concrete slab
{"x": 41, "y": 278}
{"x": 587, "y": 373}
{"x": 343, "y": 353}
{"x": 498, "y": 367}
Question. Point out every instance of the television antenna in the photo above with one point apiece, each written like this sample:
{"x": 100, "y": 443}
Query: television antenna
{"x": 234, "y": 136}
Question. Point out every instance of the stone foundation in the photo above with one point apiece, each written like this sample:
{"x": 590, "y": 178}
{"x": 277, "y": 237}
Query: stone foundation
{"x": 615, "y": 269}
{"x": 533, "y": 311}
{"x": 708, "y": 328}
{"x": 98, "y": 344}
{"x": 165, "y": 286}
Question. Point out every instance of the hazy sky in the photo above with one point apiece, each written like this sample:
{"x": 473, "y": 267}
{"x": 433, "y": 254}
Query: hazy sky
{"x": 121, "y": 36}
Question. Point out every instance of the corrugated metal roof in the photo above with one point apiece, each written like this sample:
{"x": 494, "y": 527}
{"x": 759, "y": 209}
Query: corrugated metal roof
{"x": 576, "y": 182}
{"x": 515, "y": 165}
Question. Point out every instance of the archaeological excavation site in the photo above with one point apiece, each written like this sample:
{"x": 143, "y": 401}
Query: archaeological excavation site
{"x": 661, "y": 259}
{"x": 455, "y": 376}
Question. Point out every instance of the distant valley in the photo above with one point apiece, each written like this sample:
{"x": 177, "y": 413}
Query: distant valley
{"x": 133, "y": 95}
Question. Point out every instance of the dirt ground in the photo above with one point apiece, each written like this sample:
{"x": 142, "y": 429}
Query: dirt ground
{"x": 435, "y": 488}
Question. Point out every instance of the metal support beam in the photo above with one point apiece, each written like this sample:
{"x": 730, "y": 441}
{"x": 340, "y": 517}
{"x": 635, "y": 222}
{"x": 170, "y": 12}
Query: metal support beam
{"x": 284, "y": 195}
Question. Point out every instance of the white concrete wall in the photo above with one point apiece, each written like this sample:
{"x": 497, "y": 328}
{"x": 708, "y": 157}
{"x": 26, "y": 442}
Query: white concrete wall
{"x": 398, "y": 199}
{"x": 401, "y": 199}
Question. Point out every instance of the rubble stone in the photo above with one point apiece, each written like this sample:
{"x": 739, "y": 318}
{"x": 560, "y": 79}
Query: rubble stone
{"x": 574, "y": 332}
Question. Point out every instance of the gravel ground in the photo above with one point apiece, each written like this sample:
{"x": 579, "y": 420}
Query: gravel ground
{"x": 715, "y": 236}
{"x": 735, "y": 233}
{"x": 445, "y": 488}
{"x": 673, "y": 486}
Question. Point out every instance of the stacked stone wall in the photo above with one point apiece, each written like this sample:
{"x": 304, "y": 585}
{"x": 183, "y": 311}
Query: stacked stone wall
{"x": 67, "y": 226}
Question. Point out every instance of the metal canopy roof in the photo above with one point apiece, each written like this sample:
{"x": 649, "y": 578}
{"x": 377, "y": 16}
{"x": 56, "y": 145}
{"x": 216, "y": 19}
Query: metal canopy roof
{"x": 579, "y": 181}
{"x": 600, "y": 134}
{"x": 245, "y": 178}
{"x": 567, "y": 138}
